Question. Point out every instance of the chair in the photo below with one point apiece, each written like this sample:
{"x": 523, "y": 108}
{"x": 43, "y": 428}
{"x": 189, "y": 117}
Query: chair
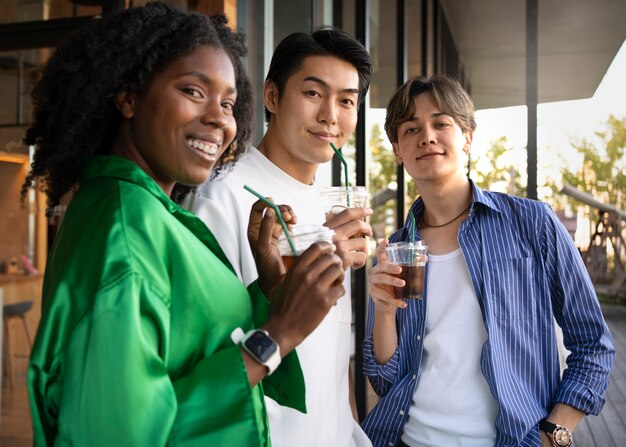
{"x": 11, "y": 312}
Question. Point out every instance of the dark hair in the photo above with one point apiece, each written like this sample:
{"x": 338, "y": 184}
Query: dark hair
{"x": 449, "y": 96}
{"x": 324, "y": 41}
{"x": 75, "y": 116}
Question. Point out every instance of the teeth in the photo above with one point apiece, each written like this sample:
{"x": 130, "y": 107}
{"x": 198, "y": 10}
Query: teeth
{"x": 208, "y": 148}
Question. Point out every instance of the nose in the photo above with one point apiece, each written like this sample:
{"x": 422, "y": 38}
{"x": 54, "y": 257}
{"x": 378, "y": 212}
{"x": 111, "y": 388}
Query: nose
{"x": 427, "y": 136}
{"x": 214, "y": 114}
{"x": 328, "y": 112}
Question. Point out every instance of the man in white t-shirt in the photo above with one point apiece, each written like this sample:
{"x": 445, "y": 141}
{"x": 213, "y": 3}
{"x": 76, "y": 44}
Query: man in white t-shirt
{"x": 314, "y": 86}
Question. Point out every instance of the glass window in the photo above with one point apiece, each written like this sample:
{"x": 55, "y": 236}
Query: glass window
{"x": 17, "y": 76}
{"x": 291, "y": 17}
{"x": 13, "y": 11}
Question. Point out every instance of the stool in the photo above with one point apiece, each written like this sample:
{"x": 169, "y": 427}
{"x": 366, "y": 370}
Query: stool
{"x": 11, "y": 312}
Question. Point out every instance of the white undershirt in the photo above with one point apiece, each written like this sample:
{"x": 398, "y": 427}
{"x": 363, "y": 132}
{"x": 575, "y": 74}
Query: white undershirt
{"x": 452, "y": 404}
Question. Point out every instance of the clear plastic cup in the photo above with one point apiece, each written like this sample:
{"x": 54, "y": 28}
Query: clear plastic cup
{"x": 302, "y": 237}
{"x": 412, "y": 258}
{"x": 335, "y": 200}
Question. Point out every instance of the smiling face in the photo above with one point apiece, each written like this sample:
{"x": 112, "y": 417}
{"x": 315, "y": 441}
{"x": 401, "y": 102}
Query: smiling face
{"x": 432, "y": 145}
{"x": 178, "y": 129}
{"x": 318, "y": 106}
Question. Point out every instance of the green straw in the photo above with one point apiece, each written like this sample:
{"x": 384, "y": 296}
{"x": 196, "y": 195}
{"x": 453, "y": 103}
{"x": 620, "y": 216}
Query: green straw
{"x": 412, "y": 227}
{"x": 345, "y": 172}
{"x": 280, "y": 217}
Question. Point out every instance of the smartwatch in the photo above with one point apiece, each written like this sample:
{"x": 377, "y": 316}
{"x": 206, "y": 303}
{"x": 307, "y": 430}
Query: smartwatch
{"x": 559, "y": 436}
{"x": 260, "y": 346}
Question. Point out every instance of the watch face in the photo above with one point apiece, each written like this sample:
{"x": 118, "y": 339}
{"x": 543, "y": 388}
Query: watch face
{"x": 261, "y": 345}
{"x": 562, "y": 437}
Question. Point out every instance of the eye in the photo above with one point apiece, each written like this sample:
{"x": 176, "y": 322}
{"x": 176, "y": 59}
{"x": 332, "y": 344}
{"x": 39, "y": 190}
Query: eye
{"x": 442, "y": 124}
{"x": 348, "y": 102}
{"x": 312, "y": 94}
{"x": 228, "y": 106}
{"x": 192, "y": 91}
{"x": 411, "y": 130}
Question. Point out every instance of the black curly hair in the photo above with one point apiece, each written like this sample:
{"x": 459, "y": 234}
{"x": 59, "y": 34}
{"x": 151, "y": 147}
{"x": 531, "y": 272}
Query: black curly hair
{"x": 75, "y": 115}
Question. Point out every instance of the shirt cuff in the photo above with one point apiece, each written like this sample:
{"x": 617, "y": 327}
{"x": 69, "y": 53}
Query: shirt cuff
{"x": 387, "y": 371}
{"x": 286, "y": 384}
{"x": 579, "y": 396}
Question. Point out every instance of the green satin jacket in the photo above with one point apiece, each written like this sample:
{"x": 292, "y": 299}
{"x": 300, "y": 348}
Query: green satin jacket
{"x": 134, "y": 347}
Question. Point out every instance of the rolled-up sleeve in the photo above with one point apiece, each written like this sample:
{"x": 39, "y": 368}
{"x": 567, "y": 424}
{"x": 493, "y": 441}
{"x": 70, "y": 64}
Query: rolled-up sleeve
{"x": 578, "y": 312}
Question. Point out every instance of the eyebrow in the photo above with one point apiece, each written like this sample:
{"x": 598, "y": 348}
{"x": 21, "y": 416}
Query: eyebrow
{"x": 204, "y": 78}
{"x": 432, "y": 115}
{"x": 325, "y": 84}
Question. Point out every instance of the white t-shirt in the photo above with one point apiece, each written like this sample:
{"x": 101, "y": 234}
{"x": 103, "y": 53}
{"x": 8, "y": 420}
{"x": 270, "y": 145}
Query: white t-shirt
{"x": 452, "y": 404}
{"x": 224, "y": 205}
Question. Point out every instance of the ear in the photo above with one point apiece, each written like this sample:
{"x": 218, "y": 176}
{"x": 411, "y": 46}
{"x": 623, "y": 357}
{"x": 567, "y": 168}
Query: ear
{"x": 396, "y": 152}
{"x": 126, "y": 103}
{"x": 270, "y": 96}
{"x": 469, "y": 137}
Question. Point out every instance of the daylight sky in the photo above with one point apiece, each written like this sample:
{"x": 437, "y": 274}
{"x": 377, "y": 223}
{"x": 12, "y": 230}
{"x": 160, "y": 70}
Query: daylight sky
{"x": 559, "y": 123}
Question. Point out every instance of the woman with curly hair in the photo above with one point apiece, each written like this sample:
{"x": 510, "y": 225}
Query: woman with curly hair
{"x": 139, "y": 338}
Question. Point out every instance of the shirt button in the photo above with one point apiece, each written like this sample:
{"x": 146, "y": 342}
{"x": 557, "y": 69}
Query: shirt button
{"x": 390, "y": 443}
{"x": 418, "y": 338}
{"x": 414, "y": 376}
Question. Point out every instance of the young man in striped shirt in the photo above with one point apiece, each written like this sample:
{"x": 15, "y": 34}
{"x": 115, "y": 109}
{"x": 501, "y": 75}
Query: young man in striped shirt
{"x": 474, "y": 363}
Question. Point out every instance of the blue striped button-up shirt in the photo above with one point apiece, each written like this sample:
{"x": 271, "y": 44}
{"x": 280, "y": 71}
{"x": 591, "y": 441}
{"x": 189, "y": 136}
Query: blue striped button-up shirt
{"x": 526, "y": 272}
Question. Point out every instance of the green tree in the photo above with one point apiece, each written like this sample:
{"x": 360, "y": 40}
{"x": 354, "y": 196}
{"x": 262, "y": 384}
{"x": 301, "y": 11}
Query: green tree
{"x": 382, "y": 177}
{"x": 603, "y": 169}
{"x": 496, "y": 169}
{"x": 383, "y": 182}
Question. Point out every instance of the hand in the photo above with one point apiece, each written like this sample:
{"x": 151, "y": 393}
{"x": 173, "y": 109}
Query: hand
{"x": 263, "y": 231}
{"x": 382, "y": 282}
{"x": 312, "y": 286}
{"x": 545, "y": 439}
{"x": 350, "y": 231}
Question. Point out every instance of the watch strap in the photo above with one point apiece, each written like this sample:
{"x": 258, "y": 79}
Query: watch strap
{"x": 547, "y": 426}
{"x": 551, "y": 429}
{"x": 272, "y": 361}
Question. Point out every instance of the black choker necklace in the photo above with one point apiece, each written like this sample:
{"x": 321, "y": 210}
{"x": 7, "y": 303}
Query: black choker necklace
{"x": 423, "y": 222}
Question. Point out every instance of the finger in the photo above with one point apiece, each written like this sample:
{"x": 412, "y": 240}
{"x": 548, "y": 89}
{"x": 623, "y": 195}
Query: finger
{"x": 351, "y": 253}
{"x": 352, "y": 228}
{"x": 380, "y": 278}
{"x": 359, "y": 259}
{"x": 347, "y": 215}
{"x": 288, "y": 215}
{"x": 315, "y": 251}
{"x": 387, "y": 268}
{"x": 256, "y": 213}
{"x": 328, "y": 271}
{"x": 256, "y": 217}
{"x": 266, "y": 229}
{"x": 354, "y": 244}
{"x": 384, "y": 298}
{"x": 381, "y": 254}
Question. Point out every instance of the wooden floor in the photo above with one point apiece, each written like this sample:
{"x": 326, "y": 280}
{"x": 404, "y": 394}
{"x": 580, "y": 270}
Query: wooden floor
{"x": 15, "y": 427}
{"x": 606, "y": 430}
{"x": 609, "y": 428}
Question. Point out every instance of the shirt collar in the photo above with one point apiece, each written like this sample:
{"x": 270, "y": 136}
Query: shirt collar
{"x": 478, "y": 196}
{"x": 111, "y": 166}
